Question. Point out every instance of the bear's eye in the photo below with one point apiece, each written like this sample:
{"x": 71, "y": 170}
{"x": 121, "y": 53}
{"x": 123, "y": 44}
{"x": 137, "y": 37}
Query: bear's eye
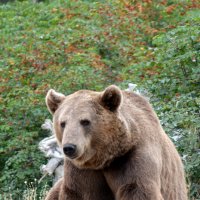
{"x": 62, "y": 124}
{"x": 85, "y": 122}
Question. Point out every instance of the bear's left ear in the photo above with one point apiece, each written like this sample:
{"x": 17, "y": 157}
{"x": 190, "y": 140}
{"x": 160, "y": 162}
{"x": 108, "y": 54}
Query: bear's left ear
{"x": 111, "y": 98}
{"x": 53, "y": 100}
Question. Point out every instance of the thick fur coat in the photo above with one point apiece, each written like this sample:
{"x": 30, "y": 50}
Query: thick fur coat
{"x": 115, "y": 148}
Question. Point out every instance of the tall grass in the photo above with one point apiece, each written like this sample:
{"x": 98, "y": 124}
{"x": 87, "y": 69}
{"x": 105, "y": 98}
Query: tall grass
{"x": 31, "y": 193}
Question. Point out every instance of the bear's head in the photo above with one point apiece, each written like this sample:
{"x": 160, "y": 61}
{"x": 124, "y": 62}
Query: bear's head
{"x": 89, "y": 127}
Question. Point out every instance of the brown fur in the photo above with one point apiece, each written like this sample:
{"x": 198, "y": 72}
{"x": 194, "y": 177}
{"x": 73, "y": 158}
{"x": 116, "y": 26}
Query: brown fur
{"x": 123, "y": 153}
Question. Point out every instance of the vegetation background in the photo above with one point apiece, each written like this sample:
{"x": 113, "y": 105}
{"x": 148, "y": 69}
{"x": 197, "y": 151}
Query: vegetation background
{"x": 73, "y": 44}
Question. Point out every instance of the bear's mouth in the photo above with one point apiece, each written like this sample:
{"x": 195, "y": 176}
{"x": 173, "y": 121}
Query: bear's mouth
{"x": 82, "y": 159}
{"x": 72, "y": 157}
{"x": 76, "y": 157}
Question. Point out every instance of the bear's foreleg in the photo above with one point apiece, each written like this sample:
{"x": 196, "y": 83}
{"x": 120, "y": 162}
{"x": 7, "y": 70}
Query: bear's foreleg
{"x": 136, "y": 175}
{"x": 134, "y": 191}
{"x": 60, "y": 192}
{"x": 67, "y": 194}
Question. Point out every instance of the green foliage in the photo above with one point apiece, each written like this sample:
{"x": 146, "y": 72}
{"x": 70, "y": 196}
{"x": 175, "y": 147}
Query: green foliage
{"x": 70, "y": 45}
{"x": 178, "y": 50}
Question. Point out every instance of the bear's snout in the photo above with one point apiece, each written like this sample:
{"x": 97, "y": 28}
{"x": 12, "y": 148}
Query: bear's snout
{"x": 70, "y": 150}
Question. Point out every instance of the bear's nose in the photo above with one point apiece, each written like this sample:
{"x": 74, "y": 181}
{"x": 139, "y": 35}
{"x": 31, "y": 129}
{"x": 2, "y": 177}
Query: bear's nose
{"x": 69, "y": 150}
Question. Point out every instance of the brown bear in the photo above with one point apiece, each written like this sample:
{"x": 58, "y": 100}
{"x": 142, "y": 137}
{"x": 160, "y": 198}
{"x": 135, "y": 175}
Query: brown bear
{"x": 115, "y": 148}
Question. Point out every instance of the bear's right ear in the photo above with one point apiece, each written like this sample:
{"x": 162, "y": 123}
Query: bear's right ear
{"x": 53, "y": 100}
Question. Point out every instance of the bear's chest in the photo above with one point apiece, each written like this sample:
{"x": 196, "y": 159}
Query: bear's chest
{"x": 88, "y": 184}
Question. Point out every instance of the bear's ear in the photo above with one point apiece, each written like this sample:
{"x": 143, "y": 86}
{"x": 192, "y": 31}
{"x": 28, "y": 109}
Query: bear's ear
{"x": 53, "y": 100}
{"x": 111, "y": 98}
